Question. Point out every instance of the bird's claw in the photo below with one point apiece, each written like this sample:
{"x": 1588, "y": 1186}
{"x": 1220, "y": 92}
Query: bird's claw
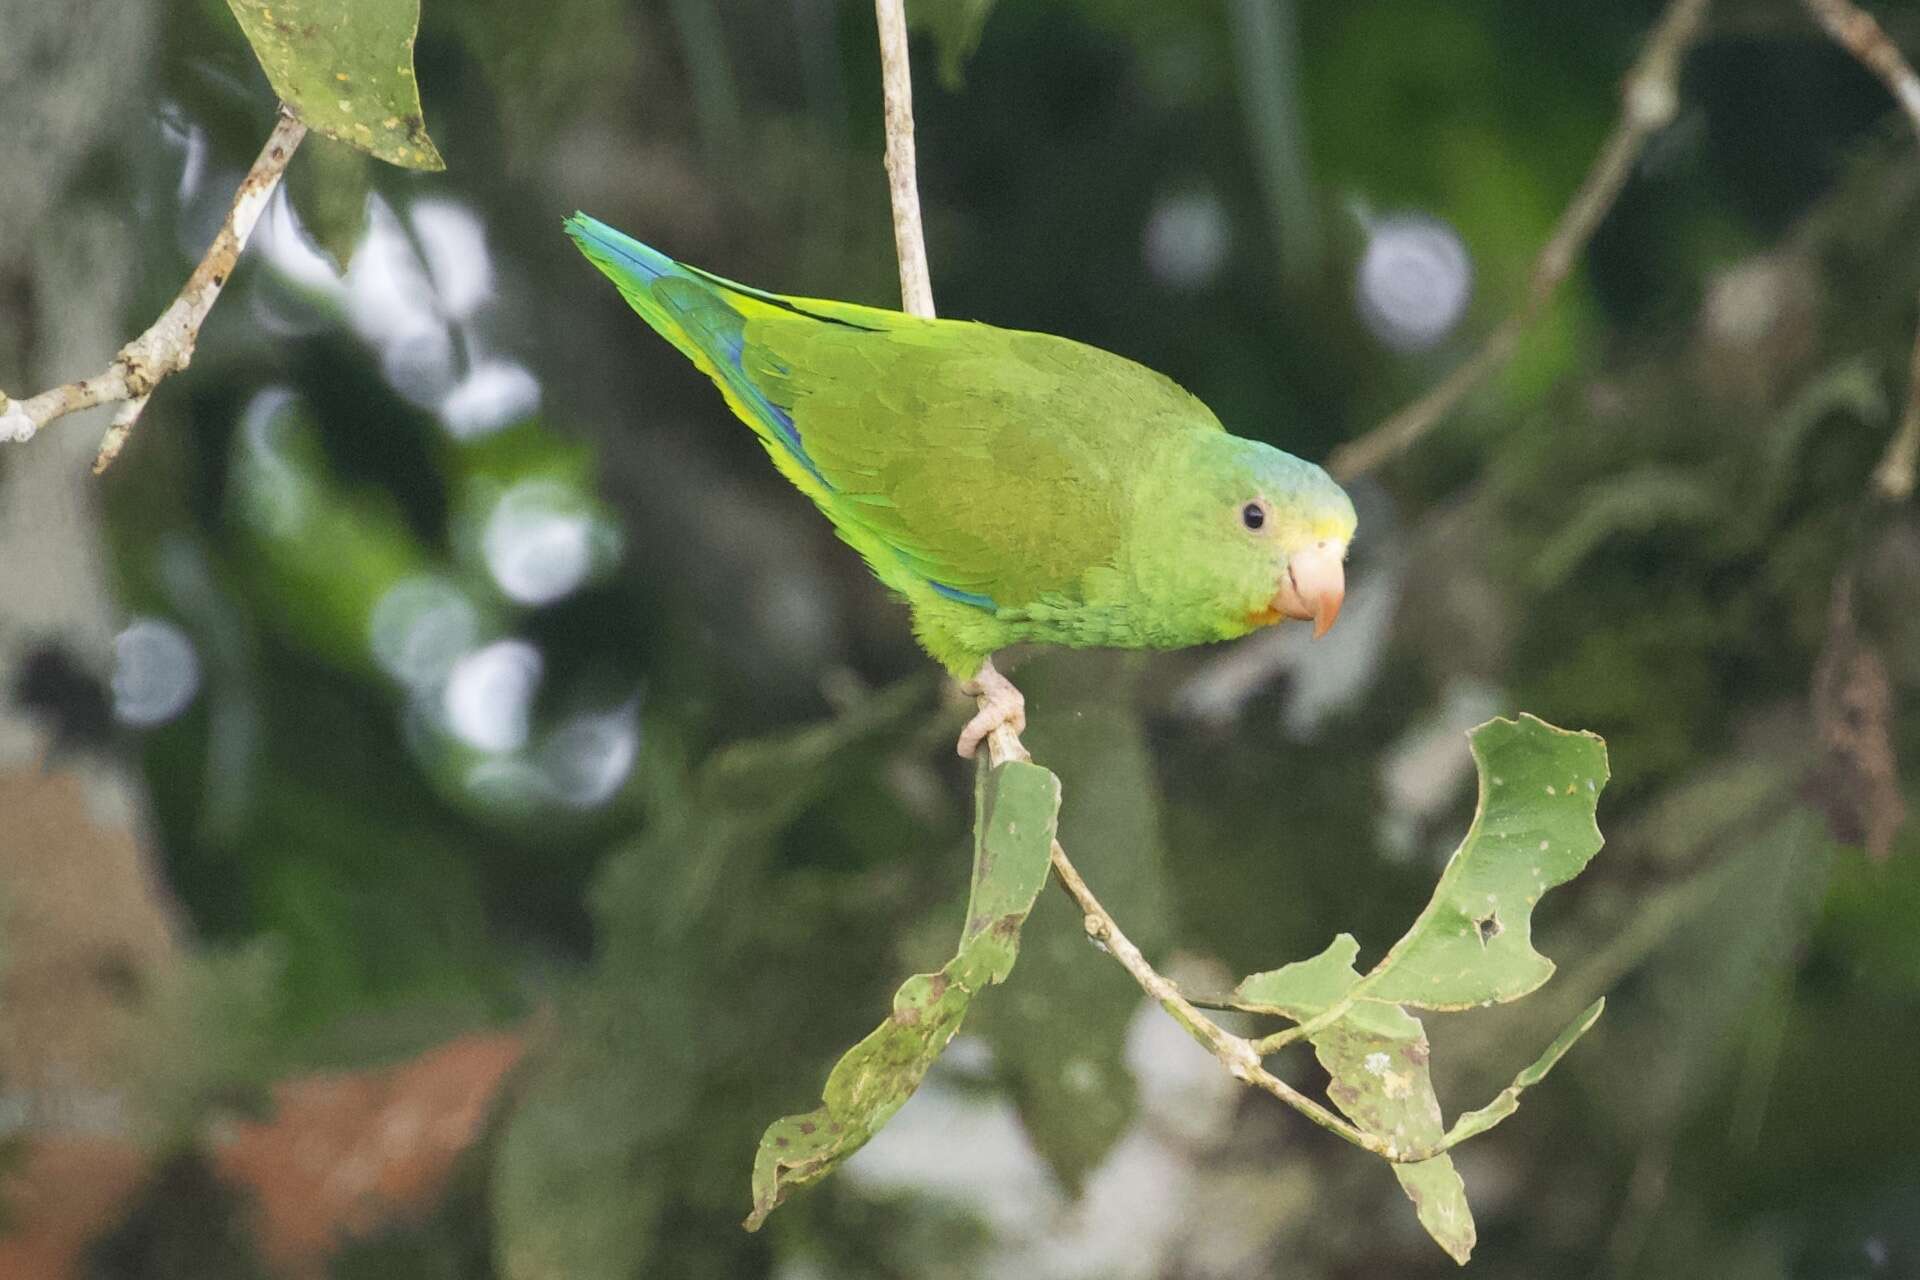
{"x": 1000, "y": 704}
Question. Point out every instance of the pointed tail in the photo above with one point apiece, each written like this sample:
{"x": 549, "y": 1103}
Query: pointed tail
{"x": 704, "y": 316}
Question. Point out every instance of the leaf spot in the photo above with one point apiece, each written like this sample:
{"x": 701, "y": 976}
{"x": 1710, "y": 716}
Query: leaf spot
{"x": 1376, "y": 1064}
{"x": 1488, "y": 927}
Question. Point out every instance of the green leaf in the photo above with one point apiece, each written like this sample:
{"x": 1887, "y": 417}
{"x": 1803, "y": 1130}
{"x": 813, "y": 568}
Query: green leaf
{"x": 1376, "y": 1057}
{"x": 1534, "y": 829}
{"x": 955, "y": 26}
{"x": 1472, "y": 945}
{"x": 1508, "y": 1100}
{"x": 1440, "y": 1199}
{"x": 328, "y": 184}
{"x": 1016, "y": 808}
{"x": 1642, "y": 500}
{"x": 345, "y": 68}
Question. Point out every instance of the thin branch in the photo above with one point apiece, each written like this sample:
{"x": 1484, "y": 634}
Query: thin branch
{"x": 903, "y": 186}
{"x": 1237, "y": 1054}
{"x": 1857, "y": 31}
{"x": 1650, "y": 98}
{"x": 167, "y": 345}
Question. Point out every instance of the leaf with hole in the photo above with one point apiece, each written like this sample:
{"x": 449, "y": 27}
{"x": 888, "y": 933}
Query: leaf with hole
{"x": 1472, "y": 945}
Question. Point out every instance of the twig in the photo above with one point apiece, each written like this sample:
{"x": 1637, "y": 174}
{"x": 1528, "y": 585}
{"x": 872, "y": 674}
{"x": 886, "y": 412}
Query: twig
{"x": 1240, "y": 1056}
{"x": 1857, "y": 31}
{"x": 1236, "y": 1053}
{"x": 167, "y": 345}
{"x": 1650, "y": 98}
{"x": 903, "y": 187}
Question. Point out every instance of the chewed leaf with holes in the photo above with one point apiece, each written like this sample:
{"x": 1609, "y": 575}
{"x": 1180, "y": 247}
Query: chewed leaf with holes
{"x": 1375, "y": 1056}
{"x": 1016, "y": 808}
{"x": 1472, "y": 945}
{"x": 1534, "y": 829}
{"x": 345, "y": 68}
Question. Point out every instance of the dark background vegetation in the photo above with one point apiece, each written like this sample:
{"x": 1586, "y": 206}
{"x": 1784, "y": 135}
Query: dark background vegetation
{"x": 527, "y": 698}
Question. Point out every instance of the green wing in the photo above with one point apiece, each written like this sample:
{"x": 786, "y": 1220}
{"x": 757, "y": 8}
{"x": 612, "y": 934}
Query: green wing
{"x": 990, "y": 463}
{"x": 994, "y": 467}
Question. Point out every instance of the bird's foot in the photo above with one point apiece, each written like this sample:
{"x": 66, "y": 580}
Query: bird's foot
{"x": 1000, "y": 704}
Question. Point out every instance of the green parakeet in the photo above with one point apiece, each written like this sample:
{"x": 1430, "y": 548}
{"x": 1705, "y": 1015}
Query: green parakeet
{"x": 1011, "y": 486}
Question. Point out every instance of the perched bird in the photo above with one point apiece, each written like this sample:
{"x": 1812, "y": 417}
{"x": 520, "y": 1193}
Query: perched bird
{"x": 1012, "y": 486}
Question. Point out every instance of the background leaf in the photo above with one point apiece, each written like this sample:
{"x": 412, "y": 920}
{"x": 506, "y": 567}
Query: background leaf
{"x": 596, "y": 1147}
{"x": 1059, "y": 1031}
{"x": 956, "y": 26}
{"x": 328, "y": 183}
{"x": 345, "y": 67}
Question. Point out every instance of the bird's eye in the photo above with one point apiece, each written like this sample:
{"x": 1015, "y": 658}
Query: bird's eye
{"x": 1253, "y": 515}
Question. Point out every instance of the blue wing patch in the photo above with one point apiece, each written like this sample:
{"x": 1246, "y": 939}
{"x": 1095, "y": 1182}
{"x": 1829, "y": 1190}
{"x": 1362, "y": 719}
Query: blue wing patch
{"x": 964, "y": 597}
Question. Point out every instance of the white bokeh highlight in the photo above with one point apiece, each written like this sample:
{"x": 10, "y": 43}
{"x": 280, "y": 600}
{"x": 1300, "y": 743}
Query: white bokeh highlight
{"x": 495, "y": 393}
{"x": 588, "y": 757}
{"x": 419, "y": 629}
{"x": 1186, "y": 239}
{"x": 1413, "y": 282}
{"x": 538, "y": 542}
{"x": 488, "y": 698}
{"x": 156, "y": 673}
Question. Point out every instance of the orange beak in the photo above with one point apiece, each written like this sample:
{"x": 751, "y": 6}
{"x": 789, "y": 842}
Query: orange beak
{"x": 1315, "y": 585}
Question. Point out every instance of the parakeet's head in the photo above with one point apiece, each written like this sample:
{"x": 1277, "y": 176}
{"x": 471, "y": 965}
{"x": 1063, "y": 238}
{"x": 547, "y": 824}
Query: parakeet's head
{"x": 1246, "y": 534}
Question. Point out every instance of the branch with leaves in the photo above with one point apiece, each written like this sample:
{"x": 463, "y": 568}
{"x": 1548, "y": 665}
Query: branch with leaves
{"x": 1472, "y": 945}
{"x": 1857, "y": 31}
{"x": 1650, "y": 98}
{"x": 352, "y": 81}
